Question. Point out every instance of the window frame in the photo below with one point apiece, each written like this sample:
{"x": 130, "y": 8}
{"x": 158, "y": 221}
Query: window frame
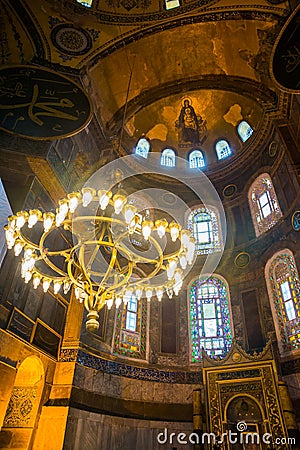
{"x": 220, "y": 299}
{"x": 162, "y": 156}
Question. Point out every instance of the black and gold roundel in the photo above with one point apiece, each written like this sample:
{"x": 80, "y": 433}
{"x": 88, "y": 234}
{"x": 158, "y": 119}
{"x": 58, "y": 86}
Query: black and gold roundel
{"x": 38, "y": 103}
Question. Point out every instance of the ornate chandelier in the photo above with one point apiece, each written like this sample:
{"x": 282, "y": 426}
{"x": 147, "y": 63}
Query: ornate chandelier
{"x": 106, "y": 256}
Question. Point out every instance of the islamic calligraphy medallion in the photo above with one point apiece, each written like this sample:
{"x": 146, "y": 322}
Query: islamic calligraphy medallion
{"x": 38, "y": 103}
{"x": 285, "y": 61}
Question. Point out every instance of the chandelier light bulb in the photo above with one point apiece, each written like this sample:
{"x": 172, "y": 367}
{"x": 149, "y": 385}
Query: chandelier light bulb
{"x": 170, "y": 293}
{"x": 118, "y": 301}
{"x": 119, "y": 202}
{"x": 21, "y": 219}
{"x": 161, "y": 226}
{"x": 18, "y": 248}
{"x": 34, "y": 216}
{"x": 178, "y": 275}
{"x": 73, "y": 201}
{"x": 129, "y": 213}
{"x": 183, "y": 261}
{"x": 109, "y": 303}
{"x": 177, "y": 287}
{"x": 28, "y": 253}
{"x": 87, "y": 196}
{"x": 56, "y": 286}
{"x": 10, "y": 237}
{"x": 48, "y": 221}
{"x": 171, "y": 267}
{"x": 139, "y": 292}
{"x": 146, "y": 229}
{"x": 12, "y": 222}
{"x": 159, "y": 293}
{"x": 66, "y": 287}
{"x": 104, "y": 198}
{"x": 174, "y": 230}
{"x": 63, "y": 207}
{"x": 185, "y": 238}
{"x": 60, "y": 217}
{"x": 36, "y": 281}
{"x": 148, "y": 294}
{"x": 46, "y": 284}
{"x": 27, "y": 276}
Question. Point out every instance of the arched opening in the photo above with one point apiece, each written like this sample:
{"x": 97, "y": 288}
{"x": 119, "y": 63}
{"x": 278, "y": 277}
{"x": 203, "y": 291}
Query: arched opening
{"x": 245, "y": 421}
{"x": 20, "y": 418}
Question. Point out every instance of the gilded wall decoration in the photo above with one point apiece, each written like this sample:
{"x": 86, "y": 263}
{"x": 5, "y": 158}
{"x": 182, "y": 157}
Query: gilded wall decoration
{"x": 214, "y": 404}
{"x": 20, "y": 407}
{"x": 273, "y": 410}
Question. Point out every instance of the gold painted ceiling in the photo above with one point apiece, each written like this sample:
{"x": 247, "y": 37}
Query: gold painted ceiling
{"x": 138, "y": 61}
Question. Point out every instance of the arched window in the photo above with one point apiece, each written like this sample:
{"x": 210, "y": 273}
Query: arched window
{"x": 244, "y": 130}
{"x": 210, "y": 318}
{"x": 86, "y": 3}
{"x": 168, "y": 158}
{"x": 204, "y": 225}
{"x": 196, "y": 159}
{"x": 223, "y": 149}
{"x": 142, "y": 148}
{"x": 264, "y": 206}
{"x": 284, "y": 289}
{"x": 131, "y": 328}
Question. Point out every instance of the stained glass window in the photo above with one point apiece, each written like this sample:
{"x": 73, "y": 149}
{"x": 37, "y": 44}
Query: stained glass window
{"x": 223, "y": 149}
{"x": 142, "y": 148}
{"x": 131, "y": 328}
{"x": 264, "y": 206}
{"x": 196, "y": 160}
{"x": 204, "y": 225}
{"x": 210, "y": 320}
{"x": 170, "y": 4}
{"x": 284, "y": 284}
{"x": 86, "y": 3}
{"x": 168, "y": 158}
{"x": 244, "y": 130}
{"x": 131, "y": 314}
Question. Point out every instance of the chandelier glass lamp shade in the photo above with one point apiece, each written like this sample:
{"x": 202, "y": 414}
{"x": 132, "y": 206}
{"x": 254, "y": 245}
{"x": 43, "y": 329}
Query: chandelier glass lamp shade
{"x": 99, "y": 244}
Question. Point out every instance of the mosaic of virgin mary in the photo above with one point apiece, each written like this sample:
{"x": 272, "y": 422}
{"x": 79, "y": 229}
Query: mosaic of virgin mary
{"x": 189, "y": 125}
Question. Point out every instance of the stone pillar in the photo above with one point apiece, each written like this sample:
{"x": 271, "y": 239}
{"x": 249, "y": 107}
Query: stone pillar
{"x": 197, "y": 416}
{"x": 288, "y": 412}
{"x": 55, "y": 412}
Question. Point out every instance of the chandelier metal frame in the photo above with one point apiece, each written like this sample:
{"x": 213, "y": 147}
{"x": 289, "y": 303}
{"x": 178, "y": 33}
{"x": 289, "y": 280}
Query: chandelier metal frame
{"x": 104, "y": 260}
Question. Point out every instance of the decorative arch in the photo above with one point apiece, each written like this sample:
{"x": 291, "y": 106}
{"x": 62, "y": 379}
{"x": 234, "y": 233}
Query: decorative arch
{"x": 223, "y": 149}
{"x": 168, "y": 158}
{"x": 264, "y": 206}
{"x": 283, "y": 284}
{"x": 142, "y": 147}
{"x": 204, "y": 224}
{"x": 211, "y": 324}
{"x": 196, "y": 159}
{"x": 25, "y": 398}
{"x": 244, "y": 130}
